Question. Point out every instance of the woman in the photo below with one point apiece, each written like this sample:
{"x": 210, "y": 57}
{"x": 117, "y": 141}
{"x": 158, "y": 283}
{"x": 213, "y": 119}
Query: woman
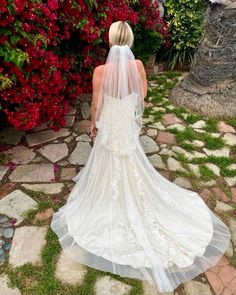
{"x": 122, "y": 216}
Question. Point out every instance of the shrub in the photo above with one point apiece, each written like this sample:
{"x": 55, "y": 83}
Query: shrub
{"x": 49, "y": 49}
{"x": 185, "y": 21}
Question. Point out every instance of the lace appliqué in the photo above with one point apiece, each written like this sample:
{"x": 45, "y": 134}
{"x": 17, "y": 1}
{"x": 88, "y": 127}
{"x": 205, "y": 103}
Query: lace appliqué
{"x": 116, "y": 176}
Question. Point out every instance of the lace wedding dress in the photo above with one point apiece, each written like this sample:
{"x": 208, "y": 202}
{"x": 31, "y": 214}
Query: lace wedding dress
{"x": 123, "y": 217}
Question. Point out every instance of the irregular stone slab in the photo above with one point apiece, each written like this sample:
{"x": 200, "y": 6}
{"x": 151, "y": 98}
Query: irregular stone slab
{"x": 199, "y": 124}
{"x": 222, "y": 278}
{"x": 81, "y": 153}
{"x": 214, "y": 168}
{"x": 85, "y": 110}
{"x": 170, "y": 119}
{"x": 10, "y": 135}
{"x": 82, "y": 127}
{"x": 157, "y": 125}
{"x": 46, "y": 188}
{"x": 152, "y": 132}
{"x": 174, "y": 165}
{"x": 225, "y": 128}
{"x": 179, "y": 127}
{"x": 83, "y": 137}
{"x": 54, "y": 152}
{"x": 69, "y": 271}
{"x": 157, "y": 162}
{"x": 69, "y": 121}
{"x": 33, "y": 173}
{"x": 233, "y": 192}
{"x": 45, "y": 136}
{"x": 232, "y": 228}
{"x": 149, "y": 145}
{"x": 15, "y": 204}
{"x": 197, "y": 143}
{"x": 197, "y": 288}
{"x": 71, "y": 111}
{"x": 27, "y": 245}
{"x": 231, "y": 181}
{"x": 20, "y": 154}
{"x": 221, "y": 194}
{"x": 218, "y": 153}
{"x": 208, "y": 183}
{"x": 183, "y": 182}
{"x": 44, "y": 215}
{"x": 4, "y": 289}
{"x": 148, "y": 289}
{"x": 230, "y": 139}
{"x": 6, "y": 189}
{"x": 221, "y": 206}
{"x": 109, "y": 286}
{"x": 3, "y": 171}
{"x": 166, "y": 137}
{"x": 68, "y": 173}
{"x": 166, "y": 151}
{"x": 195, "y": 169}
{"x": 230, "y": 251}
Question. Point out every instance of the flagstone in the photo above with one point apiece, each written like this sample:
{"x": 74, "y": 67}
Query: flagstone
{"x": 6, "y": 188}
{"x": 3, "y": 171}
{"x": 230, "y": 251}
{"x": 214, "y": 168}
{"x": 68, "y": 173}
{"x": 217, "y": 153}
{"x": 179, "y": 127}
{"x": 166, "y": 151}
{"x": 151, "y": 290}
{"x": 230, "y": 139}
{"x": 221, "y": 206}
{"x": 82, "y": 127}
{"x": 27, "y": 244}
{"x": 10, "y": 135}
{"x": 183, "y": 182}
{"x": 149, "y": 145}
{"x": 170, "y": 119}
{"x": 80, "y": 154}
{"x": 69, "y": 271}
{"x": 69, "y": 121}
{"x": 71, "y": 111}
{"x": 209, "y": 183}
{"x": 83, "y": 137}
{"x": 106, "y": 285}
{"x": 221, "y": 194}
{"x": 157, "y": 162}
{"x": 233, "y": 192}
{"x": 4, "y": 286}
{"x": 85, "y": 110}
{"x": 33, "y": 173}
{"x": 44, "y": 215}
{"x": 232, "y": 228}
{"x": 174, "y": 165}
{"x": 44, "y": 136}
{"x": 225, "y": 128}
{"x": 20, "y": 154}
{"x": 231, "y": 181}
{"x": 152, "y": 132}
{"x": 205, "y": 194}
{"x": 195, "y": 169}
{"x": 199, "y": 124}
{"x": 15, "y": 204}
{"x": 54, "y": 152}
{"x": 46, "y": 188}
{"x": 166, "y": 137}
{"x": 157, "y": 125}
{"x": 196, "y": 288}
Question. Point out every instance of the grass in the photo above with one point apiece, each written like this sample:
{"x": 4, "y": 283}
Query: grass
{"x": 206, "y": 173}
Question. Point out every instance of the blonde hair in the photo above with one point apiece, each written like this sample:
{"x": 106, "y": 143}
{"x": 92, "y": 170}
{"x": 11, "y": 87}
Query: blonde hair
{"x": 120, "y": 33}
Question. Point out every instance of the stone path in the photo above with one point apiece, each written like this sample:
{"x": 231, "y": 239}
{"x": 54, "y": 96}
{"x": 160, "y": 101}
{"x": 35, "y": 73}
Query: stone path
{"x": 36, "y": 171}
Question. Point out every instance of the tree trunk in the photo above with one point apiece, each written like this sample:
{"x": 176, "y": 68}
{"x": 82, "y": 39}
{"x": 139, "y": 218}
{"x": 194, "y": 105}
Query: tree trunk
{"x": 210, "y": 86}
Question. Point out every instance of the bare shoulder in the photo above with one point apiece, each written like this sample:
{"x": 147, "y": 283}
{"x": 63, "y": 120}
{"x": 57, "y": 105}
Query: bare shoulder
{"x": 140, "y": 66}
{"x": 98, "y": 70}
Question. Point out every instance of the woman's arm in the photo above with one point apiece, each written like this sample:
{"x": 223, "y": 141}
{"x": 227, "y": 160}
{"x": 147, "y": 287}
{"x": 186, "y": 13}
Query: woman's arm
{"x": 96, "y": 81}
{"x": 143, "y": 76}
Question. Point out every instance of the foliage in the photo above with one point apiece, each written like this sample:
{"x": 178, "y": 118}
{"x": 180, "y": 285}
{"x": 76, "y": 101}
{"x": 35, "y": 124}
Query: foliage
{"x": 185, "y": 21}
{"x": 49, "y": 49}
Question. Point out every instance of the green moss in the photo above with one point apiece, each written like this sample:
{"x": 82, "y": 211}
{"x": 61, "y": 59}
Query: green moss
{"x": 206, "y": 173}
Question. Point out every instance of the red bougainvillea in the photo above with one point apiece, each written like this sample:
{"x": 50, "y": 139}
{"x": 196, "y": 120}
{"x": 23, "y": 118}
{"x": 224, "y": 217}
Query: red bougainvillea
{"x": 48, "y": 50}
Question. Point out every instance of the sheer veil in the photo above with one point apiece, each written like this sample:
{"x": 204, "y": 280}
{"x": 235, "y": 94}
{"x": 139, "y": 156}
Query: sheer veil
{"x": 121, "y": 79}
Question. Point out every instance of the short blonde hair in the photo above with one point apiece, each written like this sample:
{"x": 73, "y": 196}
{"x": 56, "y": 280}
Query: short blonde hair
{"x": 120, "y": 33}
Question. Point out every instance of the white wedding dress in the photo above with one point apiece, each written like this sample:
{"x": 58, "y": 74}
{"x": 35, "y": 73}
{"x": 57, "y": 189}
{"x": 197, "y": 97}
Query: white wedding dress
{"x": 123, "y": 217}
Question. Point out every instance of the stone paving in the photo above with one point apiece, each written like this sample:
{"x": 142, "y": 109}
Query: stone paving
{"x": 36, "y": 171}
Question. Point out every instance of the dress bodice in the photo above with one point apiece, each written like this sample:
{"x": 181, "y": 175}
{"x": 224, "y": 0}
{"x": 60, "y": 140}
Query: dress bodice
{"x": 118, "y": 129}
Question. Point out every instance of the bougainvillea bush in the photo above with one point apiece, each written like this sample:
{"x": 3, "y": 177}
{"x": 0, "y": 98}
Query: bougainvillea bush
{"x": 48, "y": 50}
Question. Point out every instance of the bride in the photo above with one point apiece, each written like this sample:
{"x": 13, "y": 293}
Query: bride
{"x": 122, "y": 216}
